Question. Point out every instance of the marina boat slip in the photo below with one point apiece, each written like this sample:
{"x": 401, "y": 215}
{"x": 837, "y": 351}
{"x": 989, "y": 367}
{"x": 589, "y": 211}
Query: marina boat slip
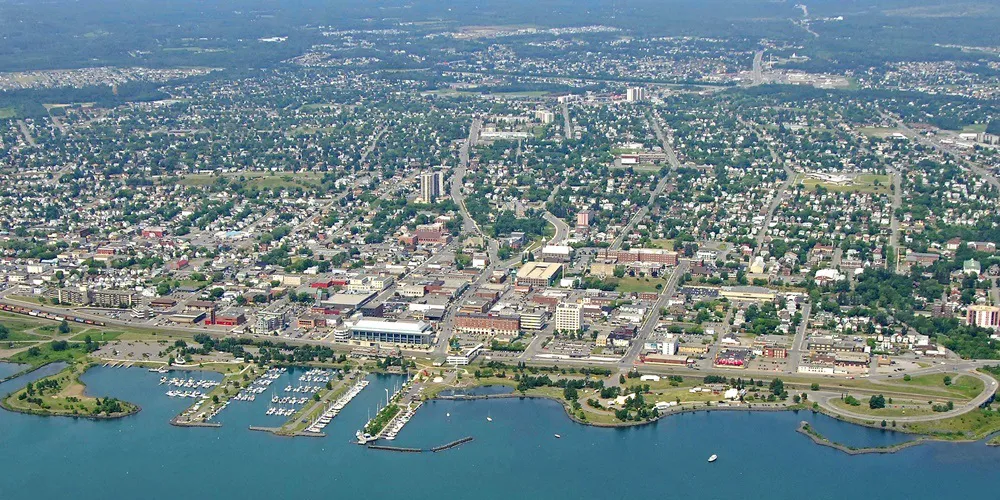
{"x": 334, "y": 409}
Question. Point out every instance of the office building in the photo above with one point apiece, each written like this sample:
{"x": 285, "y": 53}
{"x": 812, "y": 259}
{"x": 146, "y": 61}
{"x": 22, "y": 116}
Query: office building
{"x": 568, "y": 317}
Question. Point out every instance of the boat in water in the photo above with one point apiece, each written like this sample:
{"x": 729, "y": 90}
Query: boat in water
{"x": 558, "y": 436}
{"x": 713, "y": 458}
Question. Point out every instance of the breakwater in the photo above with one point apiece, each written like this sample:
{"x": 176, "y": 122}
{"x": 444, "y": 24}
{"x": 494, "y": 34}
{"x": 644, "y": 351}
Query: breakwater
{"x": 435, "y": 449}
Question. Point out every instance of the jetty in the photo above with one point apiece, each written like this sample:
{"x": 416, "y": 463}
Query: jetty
{"x": 435, "y": 449}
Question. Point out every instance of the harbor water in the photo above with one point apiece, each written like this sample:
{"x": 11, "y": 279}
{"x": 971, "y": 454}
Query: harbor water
{"x": 515, "y": 453}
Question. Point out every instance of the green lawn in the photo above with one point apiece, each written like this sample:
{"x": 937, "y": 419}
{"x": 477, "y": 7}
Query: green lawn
{"x": 973, "y": 425}
{"x": 885, "y": 412}
{"x": 962, "y": 386}
{"x": 97, "y": 335}
{"x": 639, "y": 285}
{"x": 7, "y": 113}
{"x": 44, "y": 354}
{"x": 863, "y": 183}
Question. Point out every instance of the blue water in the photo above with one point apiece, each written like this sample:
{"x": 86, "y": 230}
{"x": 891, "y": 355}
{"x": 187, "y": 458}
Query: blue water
{"x": 8, "y": 369}
{"x": 144, "y": 456}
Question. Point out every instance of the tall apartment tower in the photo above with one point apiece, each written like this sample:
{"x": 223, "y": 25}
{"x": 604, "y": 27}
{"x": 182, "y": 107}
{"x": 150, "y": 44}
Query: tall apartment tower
{"x": 431, "y": 186}
{"x": 635, "y": 94}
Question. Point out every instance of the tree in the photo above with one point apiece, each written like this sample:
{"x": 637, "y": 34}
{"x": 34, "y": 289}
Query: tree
{"x": 4, "y": 332}
{"x": 814, "y": 386}
{"x": 777, "y": 386}
{"x": 906, "y": 378}
{"x": 947, "y": 380}
{"x": 876, "y": 402}
{"x": 64, "y": 327}
{"x": 621, "y": 379}
{"x": 570, "y": 393}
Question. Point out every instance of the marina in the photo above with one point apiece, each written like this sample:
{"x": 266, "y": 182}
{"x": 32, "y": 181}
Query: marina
{"x": 334, "y": 409}
{"x": 154, "y": 454}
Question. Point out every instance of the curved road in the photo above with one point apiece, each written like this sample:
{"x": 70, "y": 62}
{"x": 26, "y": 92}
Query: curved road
{"x": 990, "y": 388}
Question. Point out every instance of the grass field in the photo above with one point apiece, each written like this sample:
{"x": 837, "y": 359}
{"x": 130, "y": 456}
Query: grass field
{"x": 44, "y": 354}
{"x": 878, "y": 131}
{"x": 862, "y": 183}
{"x": 7, "y": 113}
{"x": 963, "y": 386}
{"x": 639, "y": 285}
{"x": 899, "y": 408}
{"x": 976, "y": 424}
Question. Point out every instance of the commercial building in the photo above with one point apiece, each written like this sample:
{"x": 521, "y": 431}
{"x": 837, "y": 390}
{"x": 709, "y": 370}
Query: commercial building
{"x": 532, "y": 320}
{"x": 391, "y": 332}
{"x": 568, "y": 317}
{"x": 538, "y": 273}
{"x": 556, "y": 253}
{"x": 654, "y": 255}
{"x": 488, "y": 324}
{"x": 269, "y": 321}
{"x": 984, "y": 316}
{"x": 748, "y": 293}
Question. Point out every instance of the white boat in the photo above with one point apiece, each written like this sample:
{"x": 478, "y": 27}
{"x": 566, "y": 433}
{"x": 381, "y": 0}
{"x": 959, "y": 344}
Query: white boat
{"x": 713, "y": 458}
{"x": 489, "y": 419}
{"x": 558, "y": 436}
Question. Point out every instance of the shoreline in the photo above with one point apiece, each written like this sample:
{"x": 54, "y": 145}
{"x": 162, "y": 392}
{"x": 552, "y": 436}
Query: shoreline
{"x": 632, "y": 423}
{"x": 807, "y": 430}
{"x": 134, "y": 408}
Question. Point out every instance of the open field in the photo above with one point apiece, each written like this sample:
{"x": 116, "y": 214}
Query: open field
{"x": 879, "y": 131}
{"x": 963, "y": 386}
{"x": 638, "y": 285}
{"x": 899, "y": 408}
{"x": 862, "y": 183}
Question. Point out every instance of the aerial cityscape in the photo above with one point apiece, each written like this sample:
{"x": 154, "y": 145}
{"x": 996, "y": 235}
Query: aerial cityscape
{"x": 475, "y": 248}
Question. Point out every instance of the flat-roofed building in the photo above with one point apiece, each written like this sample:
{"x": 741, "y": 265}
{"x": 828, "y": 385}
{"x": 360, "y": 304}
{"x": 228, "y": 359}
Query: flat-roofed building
{"x": 533, "y": 320}
{"x": 113, "y": 298}
{"x": 488, "y": 324}
{"x": 748, "y": 293}
{"x": 391, "y": 332}
{"x": 538, "y": 273}
{"x": 568, "y": 317}
{"x": 984, "y": 316}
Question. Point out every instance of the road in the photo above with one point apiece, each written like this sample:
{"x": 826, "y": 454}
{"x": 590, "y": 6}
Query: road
{"x": 562, "y": 228}
{"x": 647, "y": 327}
{"x": 668, "y": 149}
{"x": 567, "y": 123}
{"x": 824, "y": 398}
{"x": 458, "y": 175}
{"x": 913, "y": 134}
{"x": 757, "y": 74}
{"x": 798, "y": 343}
{"x": 897, "y": 202}
{"x": 782, "y": 193}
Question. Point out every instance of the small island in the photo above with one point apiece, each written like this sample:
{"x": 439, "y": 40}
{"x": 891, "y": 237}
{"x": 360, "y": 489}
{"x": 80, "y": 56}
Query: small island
{"x": 63, "y": 394}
